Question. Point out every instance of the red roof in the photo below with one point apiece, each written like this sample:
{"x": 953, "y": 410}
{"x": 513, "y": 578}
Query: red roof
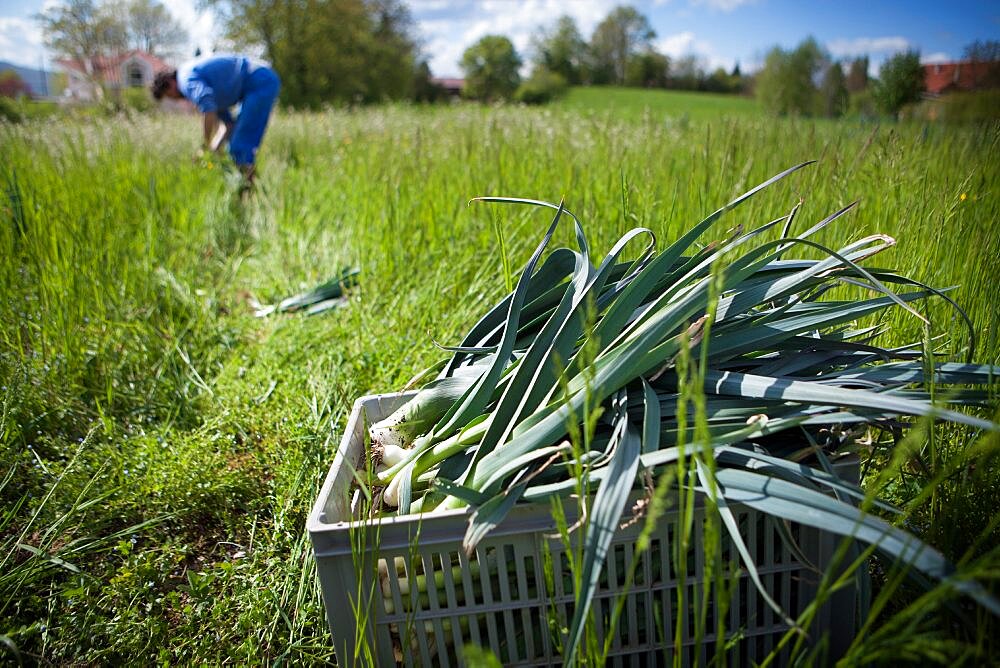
{"x": 965, "y": 75}
{"x": 108, "y": 67}
{"x": 448, "y": 83}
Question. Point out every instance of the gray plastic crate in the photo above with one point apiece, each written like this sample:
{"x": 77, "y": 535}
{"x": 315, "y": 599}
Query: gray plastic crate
{"x": 511, "y": 608}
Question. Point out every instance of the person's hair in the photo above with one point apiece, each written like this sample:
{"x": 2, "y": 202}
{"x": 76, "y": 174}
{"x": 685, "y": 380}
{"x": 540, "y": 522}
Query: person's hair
{"x": 161, "y": 82}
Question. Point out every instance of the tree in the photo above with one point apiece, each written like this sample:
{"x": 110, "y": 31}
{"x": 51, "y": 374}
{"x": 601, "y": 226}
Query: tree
{"x": 901, "y": 81}
{"x": 391, "y": 53}
{"x": 786, "y": 84}
{"x": 807, "y": 61}
{"x": 622, "y": 34}
{"x": 12, "y": 85}
{"x": 647, "y": 69}
{"x": 985, "y": 56}
{"x": 857, "y": 75}
{"x": 541, "y": 87}
{"x": 770, "y": 82}
{"x": 329, "y": 50}
{"x": 833, "y": 91}
{"x": 151, "y": 28}
{"x": 984, "y": 51}
{"x": 737, "y": 82}
{"x": 491, "y": 69}
{"x": 719, "y": 81}
{"x": 425, "y": 90}
{"x": 83, "y": 31}
{"x": 561, "y": 51}
{"x": 686, "y": 73}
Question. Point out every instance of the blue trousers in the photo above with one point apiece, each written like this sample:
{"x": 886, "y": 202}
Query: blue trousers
{"x": 258, "y": 100}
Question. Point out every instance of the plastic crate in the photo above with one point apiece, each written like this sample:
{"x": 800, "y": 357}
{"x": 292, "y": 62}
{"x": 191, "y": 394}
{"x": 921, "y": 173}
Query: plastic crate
{"x": 511, "y": 608}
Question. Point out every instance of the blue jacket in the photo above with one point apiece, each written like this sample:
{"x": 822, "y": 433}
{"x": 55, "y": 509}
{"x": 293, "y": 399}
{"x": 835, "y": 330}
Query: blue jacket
{"x": 217, "y": 82}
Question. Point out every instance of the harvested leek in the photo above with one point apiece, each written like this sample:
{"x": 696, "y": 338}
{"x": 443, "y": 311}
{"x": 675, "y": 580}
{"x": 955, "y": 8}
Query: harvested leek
{"x": 320, "y": 299}
{"x": 779, "y": 356}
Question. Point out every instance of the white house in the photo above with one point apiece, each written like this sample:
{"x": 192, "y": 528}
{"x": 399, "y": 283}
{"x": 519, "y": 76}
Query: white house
{"x": 87, "y": 80}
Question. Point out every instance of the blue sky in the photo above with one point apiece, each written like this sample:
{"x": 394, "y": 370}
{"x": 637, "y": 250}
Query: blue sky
{"x": 720, "y": 32}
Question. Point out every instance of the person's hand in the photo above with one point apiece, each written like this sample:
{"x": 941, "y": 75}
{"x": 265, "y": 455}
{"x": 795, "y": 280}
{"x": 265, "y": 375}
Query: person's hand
{"x": 221, "y": 137}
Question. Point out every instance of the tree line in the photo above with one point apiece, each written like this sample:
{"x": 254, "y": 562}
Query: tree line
{"x": 360, "y": 51}
{"x": 807, "y": 81}
{"x": 335, "y": 51}
{"x": 804, "y": 80}
{"x": 620, "y": 52}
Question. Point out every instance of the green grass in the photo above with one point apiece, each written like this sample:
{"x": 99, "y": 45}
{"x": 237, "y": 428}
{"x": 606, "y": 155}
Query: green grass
{"x": 633, "y": 103}
{"x": 162, "y": 447}
{"x": 17, "y": 110}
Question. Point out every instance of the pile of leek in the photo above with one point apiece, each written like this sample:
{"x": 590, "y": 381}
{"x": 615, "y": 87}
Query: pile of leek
{"x": 777, "y": 354}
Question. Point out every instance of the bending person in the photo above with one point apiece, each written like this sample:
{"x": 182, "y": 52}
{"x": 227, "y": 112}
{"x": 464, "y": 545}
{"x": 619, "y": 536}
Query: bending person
{"x": 214, "y": 85}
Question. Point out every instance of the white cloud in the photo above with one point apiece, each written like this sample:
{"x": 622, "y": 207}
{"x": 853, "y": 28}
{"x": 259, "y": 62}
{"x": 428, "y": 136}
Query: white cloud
{"x": 861, "y": 46}
{"x": 443, "y": 50}
{"x": 686, "y": 43}
{"x": 938, "y": 57}
{"x": 200, "y": 25}
{"x": 429, "y": 5}
{"x": 722, "y": 5}
{"x": 21, "y": 41}
{"x": 676, "y": 45}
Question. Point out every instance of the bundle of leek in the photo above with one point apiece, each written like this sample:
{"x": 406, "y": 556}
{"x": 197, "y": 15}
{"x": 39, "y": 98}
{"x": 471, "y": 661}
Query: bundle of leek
{"x": 776, "y": 353}
{"x": 322, "y": 298}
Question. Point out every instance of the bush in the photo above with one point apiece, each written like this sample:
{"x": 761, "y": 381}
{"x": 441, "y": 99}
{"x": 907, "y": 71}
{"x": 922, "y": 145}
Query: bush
{"x": 862, "y": 104}
{"x": 542, "y": 87}
{"x": 491, "y": 69}
{"x": 901, "y": 81}
{"x": 10, "y": 110}
{"x": 12, "y": 85}
{"x": 963, "y": 107}
{"x": 32, "y": 109}
{"x": 137, "y": 99}
{"x": 972, "y": 107}
{"x": 785, "y": 85}
{"x": 127, "y": 100}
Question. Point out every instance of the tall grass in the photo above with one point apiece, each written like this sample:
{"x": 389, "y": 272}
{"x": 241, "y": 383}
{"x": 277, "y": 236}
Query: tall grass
{"x": 133, "y": 371}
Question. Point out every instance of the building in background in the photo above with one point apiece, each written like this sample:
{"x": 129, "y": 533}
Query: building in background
{"x": 966, "y": 75}
{"x": 88, "y": 80}
{"x": 452, "y": 88}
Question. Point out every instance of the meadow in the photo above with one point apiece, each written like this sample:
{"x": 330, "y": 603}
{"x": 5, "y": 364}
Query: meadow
{"x": 161, "y": 446}
{"x": 634, "y": 103}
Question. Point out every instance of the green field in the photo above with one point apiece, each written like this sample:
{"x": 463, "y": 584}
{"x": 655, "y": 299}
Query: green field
{"x": 634, "y": 103}
{"x": 161, "y": 446}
